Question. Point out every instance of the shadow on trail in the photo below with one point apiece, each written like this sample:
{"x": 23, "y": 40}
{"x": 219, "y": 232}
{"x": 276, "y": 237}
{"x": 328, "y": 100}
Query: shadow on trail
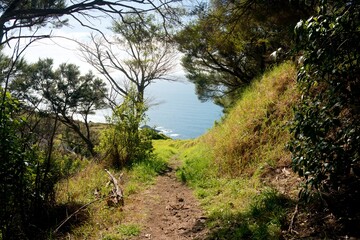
{"x": 335, "y": 216}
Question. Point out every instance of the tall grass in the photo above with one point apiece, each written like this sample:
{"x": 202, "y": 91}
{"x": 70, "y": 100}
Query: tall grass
{"x": 255, "y": 131}
{"x": 225, "y": 165}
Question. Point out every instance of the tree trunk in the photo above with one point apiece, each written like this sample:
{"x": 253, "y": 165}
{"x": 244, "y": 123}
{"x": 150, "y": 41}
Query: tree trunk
{"x": 70, "y": 123}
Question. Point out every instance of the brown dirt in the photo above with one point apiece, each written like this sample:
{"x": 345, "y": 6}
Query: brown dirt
{"x": 167, "y": 210}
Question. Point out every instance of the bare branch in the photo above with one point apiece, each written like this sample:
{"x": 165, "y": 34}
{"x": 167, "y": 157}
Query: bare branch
{"x": 16, "y": 16}
{"x": 139, "y": 55}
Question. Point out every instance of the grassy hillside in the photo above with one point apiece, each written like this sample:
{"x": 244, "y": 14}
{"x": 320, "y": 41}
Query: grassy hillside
{"x": 240, "y": 168}
{"x": 239, "y": 171}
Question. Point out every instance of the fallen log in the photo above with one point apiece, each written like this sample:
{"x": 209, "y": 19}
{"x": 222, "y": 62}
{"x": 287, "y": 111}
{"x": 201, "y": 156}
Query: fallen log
{"x": 116, "y": 197}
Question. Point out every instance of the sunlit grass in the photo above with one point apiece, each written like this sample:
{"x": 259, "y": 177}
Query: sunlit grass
{"x": 255, "y": 129}
{"x": 98, "y": 220}
{"x": 225, "y": 166}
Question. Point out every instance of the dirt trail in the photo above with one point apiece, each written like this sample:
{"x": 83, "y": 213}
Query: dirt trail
{"x": 167, "y": 210}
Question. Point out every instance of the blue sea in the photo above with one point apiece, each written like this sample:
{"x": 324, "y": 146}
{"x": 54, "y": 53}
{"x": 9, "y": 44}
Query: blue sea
{"x": 175, "y": 110}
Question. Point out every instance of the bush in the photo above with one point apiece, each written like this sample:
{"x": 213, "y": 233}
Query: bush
{"x": 123, "y": 143}
{"x": 326, "y": 129}
{"x": 26, "y": 177}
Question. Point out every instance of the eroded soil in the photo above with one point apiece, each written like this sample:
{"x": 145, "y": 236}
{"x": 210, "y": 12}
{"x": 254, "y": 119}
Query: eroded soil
{"x": 167, "y": 210}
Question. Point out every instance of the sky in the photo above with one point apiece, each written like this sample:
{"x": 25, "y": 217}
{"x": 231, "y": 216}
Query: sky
{"x": 60, "y": 50}
{"x": 63, "y": 50}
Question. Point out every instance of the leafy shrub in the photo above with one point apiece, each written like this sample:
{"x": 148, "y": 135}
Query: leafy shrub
{"x": 26, "y": 176}
{"x": 326, "y": 129}
{"x": 123, "y": 142}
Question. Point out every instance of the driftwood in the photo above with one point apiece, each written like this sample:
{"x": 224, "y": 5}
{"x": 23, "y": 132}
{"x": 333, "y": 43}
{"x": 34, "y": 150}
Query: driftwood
{"x": 116, "y": 196}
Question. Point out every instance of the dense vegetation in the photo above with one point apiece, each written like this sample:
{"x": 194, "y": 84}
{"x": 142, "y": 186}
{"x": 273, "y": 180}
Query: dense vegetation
{"x": 325, "y": 139}
{"x": 231, "y": 50}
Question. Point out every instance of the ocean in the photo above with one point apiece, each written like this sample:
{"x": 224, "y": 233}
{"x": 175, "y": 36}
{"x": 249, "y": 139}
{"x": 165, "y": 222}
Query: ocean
{"x": 175, "y": 110}
{"x": 178, "y": 112}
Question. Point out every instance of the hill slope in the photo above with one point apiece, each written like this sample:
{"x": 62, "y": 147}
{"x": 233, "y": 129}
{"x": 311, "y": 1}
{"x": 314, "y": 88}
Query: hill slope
{"x": 240, "y": 169}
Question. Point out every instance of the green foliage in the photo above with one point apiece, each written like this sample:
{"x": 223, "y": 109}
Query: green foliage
{"x": 263, "y": 219}
{"x": 27, "y": 178}
{"x": 145, "y": 171}
{"x": 197, "y": 165}
{"x": 326, "y": 128}
{"x": 125, "y": 231}
{"x": 62, "y": 92}
{"x": 255, "y": 130}
{"x": 129, "y": 230}
{"x": 123, "y": 143}
{"x": 228, "y": 45}
{"x": 11, "y": 168}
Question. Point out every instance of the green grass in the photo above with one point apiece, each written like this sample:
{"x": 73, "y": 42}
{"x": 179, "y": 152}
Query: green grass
{"x": 97, "y": 221}
{"x": 165, "y": 149}
{"x": 123, "y": 232}
{"x": 225, "y": 165}
{"x": 129, "y": 230}
{"x": 254, "y": 132}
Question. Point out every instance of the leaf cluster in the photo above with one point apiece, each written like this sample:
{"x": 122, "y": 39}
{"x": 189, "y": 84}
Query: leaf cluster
{"x": 326, "y": 128}
{"x": 26, "y": 180}
{"x": 63, "y": 93}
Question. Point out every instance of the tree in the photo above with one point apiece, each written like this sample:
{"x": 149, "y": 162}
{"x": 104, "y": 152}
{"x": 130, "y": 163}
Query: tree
{"x": 140, "y": 53}
{"x": 16, "y": 15}
{"x": 325, "y": 142}
{"x": 64, "y": 92}
{"x": 26, "y": 177}
{"x": 228, "y": 44}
